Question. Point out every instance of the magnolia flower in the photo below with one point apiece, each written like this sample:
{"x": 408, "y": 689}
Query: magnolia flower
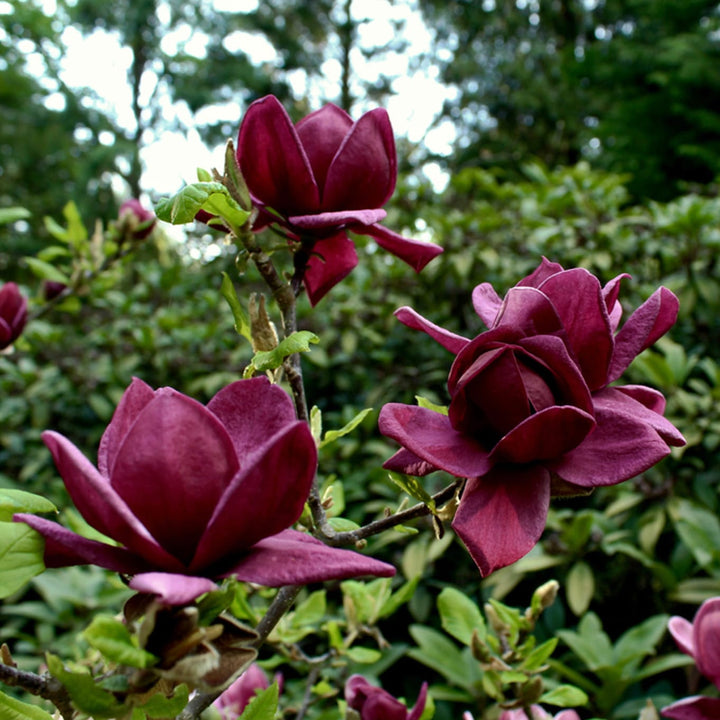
{"x": 237, "y": 697}
{"x": 141, "y": 221}
{"x": 531, "y": 413}
{"x": 193, "y": 493}
{"x": 538, "y": 713}
{"x": 13, "y": 314}
{"x": 701, "y": 640}
{"x": 321, "y": 177}
{"x": 374, "y": 703}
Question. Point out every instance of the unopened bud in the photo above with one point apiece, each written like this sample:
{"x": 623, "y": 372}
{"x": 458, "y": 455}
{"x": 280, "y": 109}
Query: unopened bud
{"x": 542, "y": 599}
{"x": 530, "y": 691}
{"x": 262, "y": 330}
{"x": 494, "y": 619}
{"x": 480, "y": 651}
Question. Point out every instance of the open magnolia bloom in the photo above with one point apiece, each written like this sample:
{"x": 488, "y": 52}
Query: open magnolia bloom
{"x": 13, "y": 314}
{"x": 193, "y": 493}
{"x": 321, "y": 177}
{"x": 701, "y": 640}
{"x": 531, "y": 411}
{"x": 374, "y": 703}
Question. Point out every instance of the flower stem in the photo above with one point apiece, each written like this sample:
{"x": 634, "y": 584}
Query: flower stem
{"x": 40, "y": 685}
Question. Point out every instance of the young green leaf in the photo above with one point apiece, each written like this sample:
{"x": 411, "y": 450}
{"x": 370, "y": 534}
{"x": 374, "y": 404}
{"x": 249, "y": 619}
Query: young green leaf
{"x": 413, "y": 487}
{"x": 15, "y": 501}
{"x": 21, "y": 556}
{"x": 12, "y": 709}
{"x": 242, "y": 321}
{"x": 333, "y": 435}
{"x": 460, "y": 616}
{"x": 272, "y": 359}
{"x": 263, "y": 706}
{"x": 565, "y": 696}
{"x": 113, "y": 640}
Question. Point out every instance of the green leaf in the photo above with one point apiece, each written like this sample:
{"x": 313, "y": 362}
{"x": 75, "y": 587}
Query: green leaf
{"x": 590, "y": 643}
{"x": 12, "y": 709}
{"x": 333, "y": 435}
{"x": 311, "y": 611}
{"x": 85, "y": 694}
{"x": 442, "y": 655}
{"x": 213, "y": 197}
{"x": 429, "y": 405}
{"x": 460, "y": 616}
{"x": 537, "y": 657}
{"x": 363, "y": 655}
{"x": 565, "y": 696}
{"x": 316, "y": 423}
{"x": 242, "y": 321}
{"x": 401, "y": 596}
{"x": 21, "y": 556}
{"x": 159, "y": 706}
{"x": 12, "y": 214}
{"x": 46, "y": 271}
{"x": 580, "y": 587}
{"x": 15, "y": 501}
{"x": 642, "y": 639}
{"x": 272, "y": 359}
{"x": 263, "y": 706}
{"x": 413, "y": 487}
{"x": 113, "y": 640}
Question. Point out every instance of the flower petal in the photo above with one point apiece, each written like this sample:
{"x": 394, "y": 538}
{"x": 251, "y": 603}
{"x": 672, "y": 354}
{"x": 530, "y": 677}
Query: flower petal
{"x": 649, "y": 322}
{"x": 682, "y": 632}
{"x": 264, "y": 498}
{"x": 404, "y": 461}
{"x": 693, "y": 708}
{"x": 134, "y": 399}
{"x": 295, "y": 558}
{"x": 542, "y": 272}
{"x": 181, "y": 450}
{"x": 416, "y": 253}
{"x": 335, "y": 220}
{"x": 273, "y": 162}
{"x": 449, "y": 340}
{"x": 334, "y": 259}
{"x": 64, "y": 547}
{"x": 253, "y": 411}
{"x": 707, "y": 639}
{"x": 172, "y": 589}
{"x": 529, "y": 311}
{"x": 100, "y": 504}
{"x": 321, "y": 134}
{"x": 487, "y": 303}
{"x": 502, "y": 515}
{"x": 364, "y": 170}
{"x": 431, "y": 437}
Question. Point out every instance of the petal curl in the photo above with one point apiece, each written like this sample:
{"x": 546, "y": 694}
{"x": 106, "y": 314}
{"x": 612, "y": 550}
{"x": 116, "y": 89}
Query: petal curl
{"x": 334, "y": 259}
{"x": 449, "y": 340}
{"x": 416, "y": 253}
{"x": 707, "y": 639}
{"x": 502, "y": 515}
{"x": 487, "y": 303}
{"x": 693, "y": 708}
{"x": 295, "y": 558}
{"x": 323, "y": 221}
{"x": 682, "y": 632}
{"x": 172, "y": 589}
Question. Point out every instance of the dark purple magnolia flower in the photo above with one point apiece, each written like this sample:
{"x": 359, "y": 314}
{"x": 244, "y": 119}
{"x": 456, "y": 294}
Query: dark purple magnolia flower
{"x": 13, "y": 314}
{"x": 51, "y": 289}
{"x": 531, "y": 411}
{"x": 237, "y": 697}
{"x": 143, "y": 221}
{"x": 194, "y": 493}
{"x": 320, "y": 178}
{"x": 701, "y": 640}
{"x": 374, "y": 703}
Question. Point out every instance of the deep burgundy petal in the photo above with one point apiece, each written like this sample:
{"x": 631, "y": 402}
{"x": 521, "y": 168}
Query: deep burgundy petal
{"x": 273, "y": 162}
{"x": 64, "y": 548}
{"x": 542, "y": 272}
{"x": 134, "y": 399}
{"x": 610, "y": 292}
{"x": 321, "y": 134}
{"x": 487, "y": 303}
{"x": 415, "y": 253}
{"x": 253, "y": 411}
{"x": 334, "y": 259}
{"x": 707, "y": 639}
{"x": 403, "y": 461}
{"x": 502, "y": 515}
{"x": 295, "y": 558}
{"x": 649, "y": 322}
{"x": 693, "y": 708}
{"x": 319, "y": 223}
{"x": 649, "y": 397}
{"x": 529, "y": 311}
{"x": 449, "y": 340}
{"x": 100, "y": 505}
{"x": 264, "y": 498}
{"x": 579, "y": 302}
{"x": 419, "y": 707}
{"x": 364, "y": 170}
{"x": 429, "y": 436}
{"x": 172, "y": 469}
{"x": 172, "y": 589}
{"x": 545, "y": 435}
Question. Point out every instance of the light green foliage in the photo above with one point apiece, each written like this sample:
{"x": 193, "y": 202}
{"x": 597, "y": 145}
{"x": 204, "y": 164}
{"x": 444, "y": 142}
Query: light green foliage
{"x": 212, "y": 197}
{"x": 263, "y": 706}
{"x": 12, "y": 709}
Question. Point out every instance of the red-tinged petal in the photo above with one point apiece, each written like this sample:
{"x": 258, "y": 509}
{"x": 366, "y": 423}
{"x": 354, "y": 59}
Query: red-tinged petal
{"x": 100, "y": 504}
{"x": 320, "y": 223}
{"x": 419, "y": 706}
{"x": 416, "y": 253}
{"x": 295, "y": 558}
{"x": 253, "y": 411}
{"x": 273, "y": 162}
{"x": 134, "y": 399}
{"x": 172, "y": 469}
{"x": 334, "y": 259}
{"x": 682, "y": 632}
{"x": 364, "y": 170}
{"x": 649, "y": 322}
{"x": 172, "y": 589}
{"x": 545, "y": 435}
{"x": 693, "y": 708}
{"x": 542, "y": 272}
{"x": 707, "y": 639}
{"x": 610, "y": 293}
{"x": 649, "y": 397}
{"x": 64, "y": 548}
{"x": 623, "y": 444}
{"x": 403, "y": 461}
{"x": 529, "y": 311}
{"x": 502, "y": 515}
{"x": 487, "y": 303}
{"x": 321, "y": 134}
{"x": 449, "y": 340}
{"x": 431, "y": 437}
{"x": 577, "y": 297}
{"x": 263, "y": 498}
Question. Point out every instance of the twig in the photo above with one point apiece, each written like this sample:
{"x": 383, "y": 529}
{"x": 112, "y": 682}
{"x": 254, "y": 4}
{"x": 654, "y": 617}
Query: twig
{"x": 307, "y": 697}
{"x": 40, "y": 685}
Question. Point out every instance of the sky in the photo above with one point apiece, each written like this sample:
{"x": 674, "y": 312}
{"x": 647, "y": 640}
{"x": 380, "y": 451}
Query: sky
{"x": 100, "y": 63}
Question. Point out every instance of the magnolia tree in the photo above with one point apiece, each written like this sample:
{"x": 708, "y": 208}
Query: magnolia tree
{"x": 213, "y": 515}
